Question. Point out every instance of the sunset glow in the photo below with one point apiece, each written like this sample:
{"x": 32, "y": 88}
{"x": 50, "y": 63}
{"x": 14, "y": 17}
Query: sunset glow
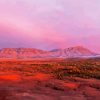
{"x": 49, "y": 24}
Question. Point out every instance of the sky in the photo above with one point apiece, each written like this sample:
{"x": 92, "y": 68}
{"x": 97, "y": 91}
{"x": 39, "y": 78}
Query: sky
{"x": 50, "y": 24}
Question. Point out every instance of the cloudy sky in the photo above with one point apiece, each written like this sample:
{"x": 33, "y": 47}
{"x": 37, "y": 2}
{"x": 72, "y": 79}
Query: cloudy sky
{"x": 48, "y": 24}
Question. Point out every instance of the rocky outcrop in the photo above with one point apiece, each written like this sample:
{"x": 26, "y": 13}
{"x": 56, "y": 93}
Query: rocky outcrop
{"x": 71, "y": 52}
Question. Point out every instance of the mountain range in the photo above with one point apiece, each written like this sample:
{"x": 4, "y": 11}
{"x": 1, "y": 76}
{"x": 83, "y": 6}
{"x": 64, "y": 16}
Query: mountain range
{"x": 22, "y": 53}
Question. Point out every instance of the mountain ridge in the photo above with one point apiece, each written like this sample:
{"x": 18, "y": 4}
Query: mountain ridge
{"x": 22, "y": 53}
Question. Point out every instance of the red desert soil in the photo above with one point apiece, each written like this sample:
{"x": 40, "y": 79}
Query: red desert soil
{"x": 27, "y": 80}
{"x": 41, "y": 76}
{"x": 70, "y": 85}
{"x": 10, "y": 77}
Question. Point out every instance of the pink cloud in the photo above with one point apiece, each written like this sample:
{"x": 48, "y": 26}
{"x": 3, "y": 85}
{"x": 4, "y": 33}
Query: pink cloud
{"x": 50, "y": 24}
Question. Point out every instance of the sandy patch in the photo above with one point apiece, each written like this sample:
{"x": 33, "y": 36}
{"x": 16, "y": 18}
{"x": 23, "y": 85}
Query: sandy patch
{"x": 41, "y": 76}
{"x": 10, "y": 77}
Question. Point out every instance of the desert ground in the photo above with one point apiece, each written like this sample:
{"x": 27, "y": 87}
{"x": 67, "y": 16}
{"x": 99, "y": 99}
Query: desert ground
{"x": 50, "y": 79}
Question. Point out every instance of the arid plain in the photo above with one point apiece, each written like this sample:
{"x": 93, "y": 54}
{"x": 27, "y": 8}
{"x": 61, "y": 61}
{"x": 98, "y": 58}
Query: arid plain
{"x": 50, "y": 79}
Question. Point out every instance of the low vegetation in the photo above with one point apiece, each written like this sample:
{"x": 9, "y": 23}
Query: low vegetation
{"x": 50, "y": 79}
{"x": 58, "y": 68}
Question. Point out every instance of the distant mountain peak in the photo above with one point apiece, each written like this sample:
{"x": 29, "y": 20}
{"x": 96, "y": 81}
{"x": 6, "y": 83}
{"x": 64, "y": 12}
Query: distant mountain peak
{"x": 78, "y": 47}
{"x": 77, "y": 51}
{"x": 71, "y": 52}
